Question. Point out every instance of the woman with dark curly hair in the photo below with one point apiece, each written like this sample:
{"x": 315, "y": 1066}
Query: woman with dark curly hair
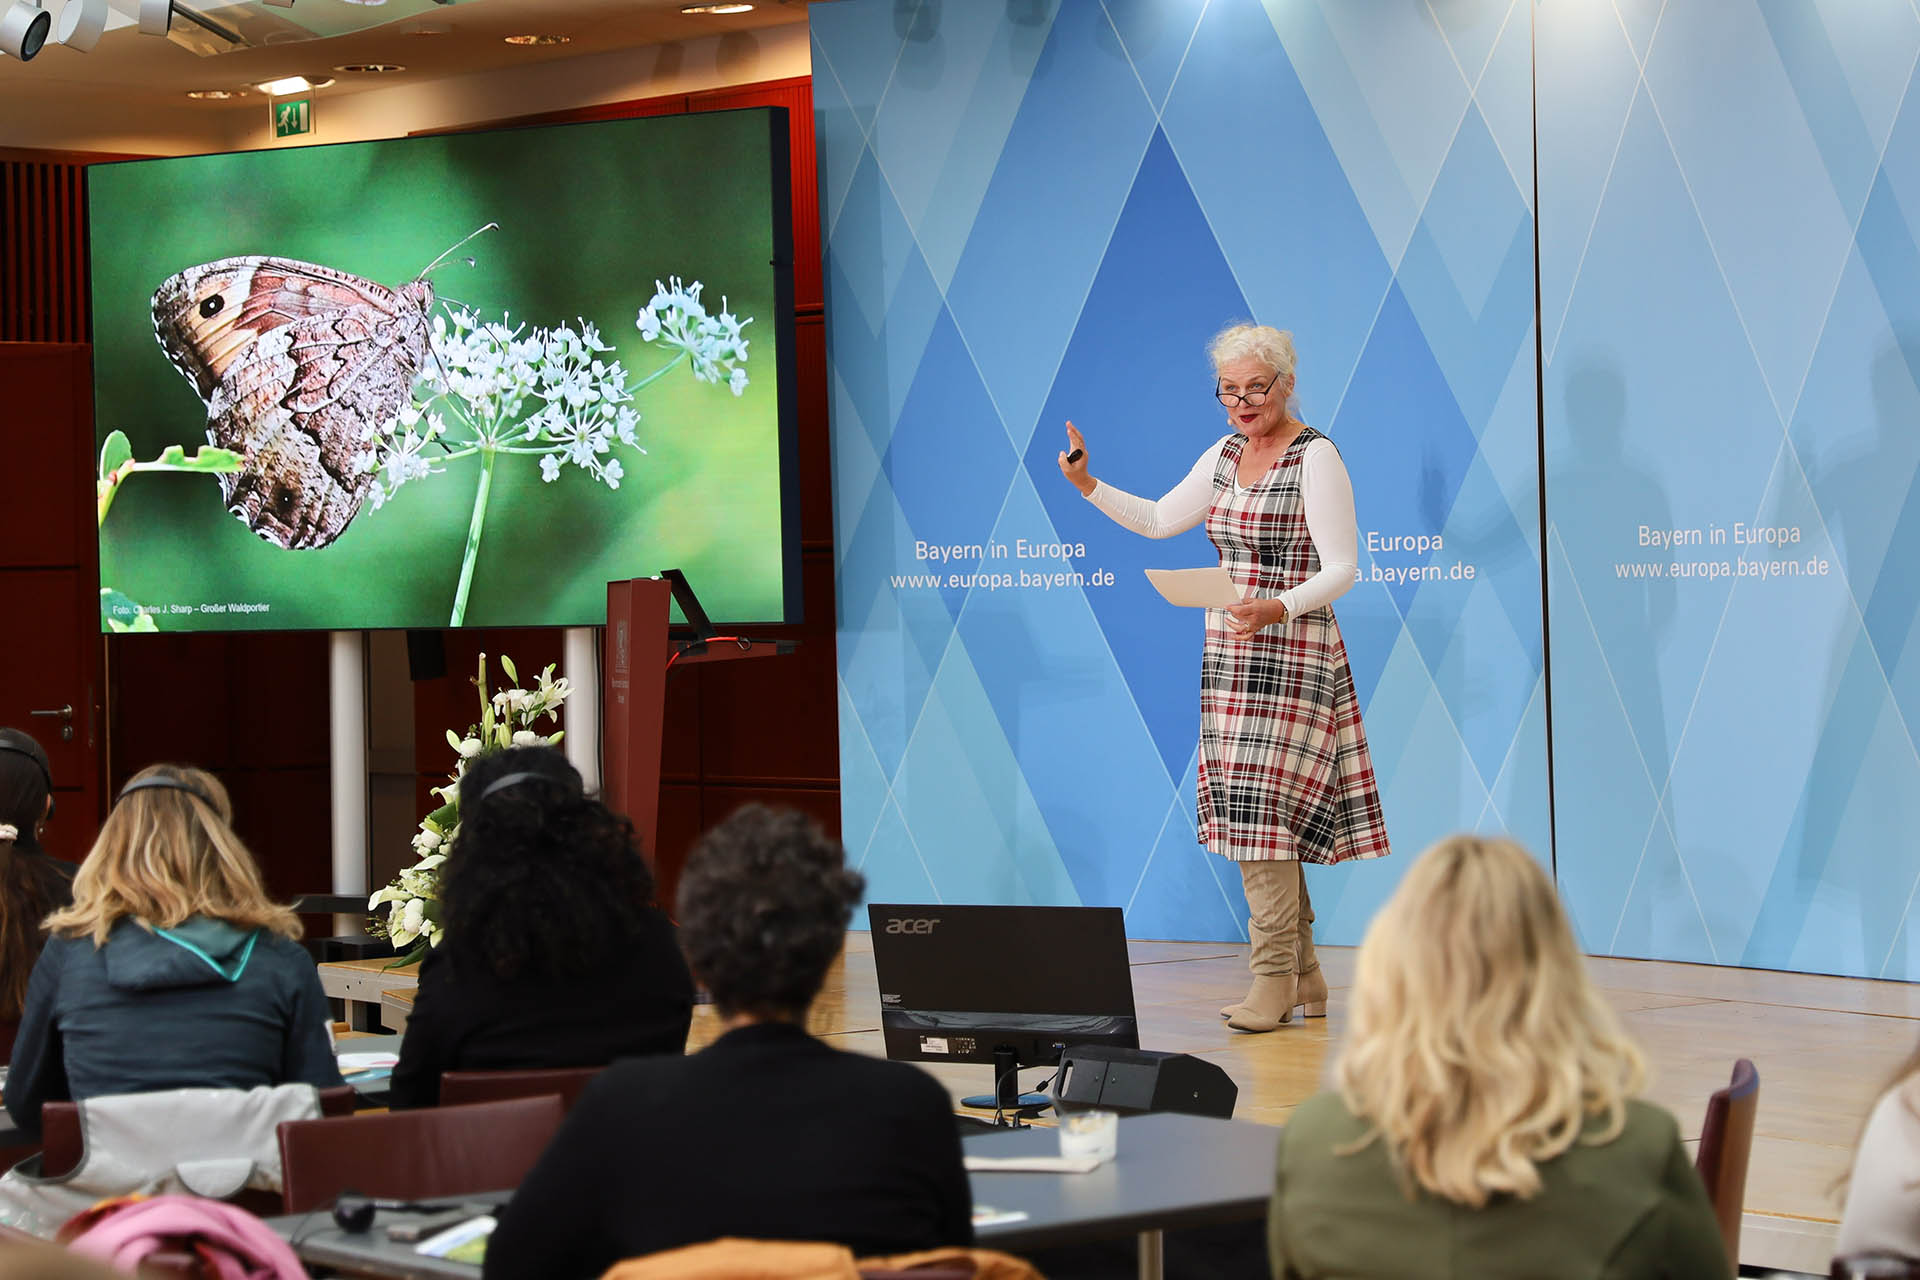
{"x": 767, "y": 1133}
{"x": 31, "y": 883}
{"x": 555, "y": 954}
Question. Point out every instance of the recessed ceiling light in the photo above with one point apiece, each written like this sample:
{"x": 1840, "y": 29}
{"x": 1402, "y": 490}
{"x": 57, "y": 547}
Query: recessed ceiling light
{"x": 533, "y": 40}
{"x": 716, "y": 8}
{"x": 371, "y": 68}
{"x": 285, "y": 85}
{"x": 215, "y": 95}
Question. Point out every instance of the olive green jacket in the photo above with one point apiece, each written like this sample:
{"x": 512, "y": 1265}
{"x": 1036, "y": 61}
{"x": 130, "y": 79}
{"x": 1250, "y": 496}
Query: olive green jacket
{"x": 1632, "y": 1209}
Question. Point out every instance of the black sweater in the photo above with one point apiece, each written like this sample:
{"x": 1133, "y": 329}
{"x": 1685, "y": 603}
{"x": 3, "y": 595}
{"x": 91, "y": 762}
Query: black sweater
{"x": 766, "y": 1134}
{"x": 465, "y": 1018}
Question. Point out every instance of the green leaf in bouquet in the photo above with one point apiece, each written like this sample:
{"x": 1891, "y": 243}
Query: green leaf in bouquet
{"x": 412, "y": 955}
{"x": 446, "y": 817}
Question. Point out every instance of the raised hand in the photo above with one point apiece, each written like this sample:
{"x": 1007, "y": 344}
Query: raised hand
{"x": 1073, "y": 461}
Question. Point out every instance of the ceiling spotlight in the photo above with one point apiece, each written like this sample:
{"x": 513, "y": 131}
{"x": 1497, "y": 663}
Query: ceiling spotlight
{"x": 155, "y": 17}
{"x": 539, "y": 40}
{"x": 23, "y": 30}
{"x": 81, "y": 23}
{"x": 285, "y": 85}
{"x": 371, "y": 68}
{"x": 716, "y": 8}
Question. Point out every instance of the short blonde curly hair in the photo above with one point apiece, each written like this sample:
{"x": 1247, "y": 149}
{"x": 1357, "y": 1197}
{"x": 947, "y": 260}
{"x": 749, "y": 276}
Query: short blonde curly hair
{"x": 1270, "y": 346}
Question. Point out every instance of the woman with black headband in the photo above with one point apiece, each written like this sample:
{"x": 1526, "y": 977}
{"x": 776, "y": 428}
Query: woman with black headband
{"x": 554, "y": 954}
{"x": 172, "y": 969}
{"x": 31, "y": 883}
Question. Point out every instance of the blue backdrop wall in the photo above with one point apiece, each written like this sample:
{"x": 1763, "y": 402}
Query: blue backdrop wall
{"x": 1730, "y": 287}
{"x": 1042, "y": 210}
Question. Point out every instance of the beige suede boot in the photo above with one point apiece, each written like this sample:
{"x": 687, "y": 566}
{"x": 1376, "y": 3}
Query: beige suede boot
{"x": 1271, "y": 1000}
{"x": 1313, "y": 984}
{"x": 1273, "y": 890}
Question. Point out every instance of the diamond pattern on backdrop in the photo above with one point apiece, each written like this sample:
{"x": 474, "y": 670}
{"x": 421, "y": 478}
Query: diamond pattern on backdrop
{"x": 1030, "y": 223}
{"x": 1735, "y": 756}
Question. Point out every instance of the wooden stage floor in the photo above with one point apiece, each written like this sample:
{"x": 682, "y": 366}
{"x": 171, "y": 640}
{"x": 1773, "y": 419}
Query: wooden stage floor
{"x": 1823, "y": 1046}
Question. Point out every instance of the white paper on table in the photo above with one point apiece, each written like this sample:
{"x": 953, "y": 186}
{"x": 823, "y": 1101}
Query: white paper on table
{"x": 1209, "y": 588}
{"x": 444, "y": 1243}
{"x": 1032, "y": 1164}
{"x": 352, "y": 1062}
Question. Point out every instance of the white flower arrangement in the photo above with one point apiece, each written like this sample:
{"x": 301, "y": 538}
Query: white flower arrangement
{"x": 413, "y": 920}
{"x": 8, "y": 832}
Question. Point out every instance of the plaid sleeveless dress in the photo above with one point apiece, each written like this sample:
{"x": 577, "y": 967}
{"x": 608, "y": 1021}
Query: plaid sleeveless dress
{"x": 1284, "y": 769}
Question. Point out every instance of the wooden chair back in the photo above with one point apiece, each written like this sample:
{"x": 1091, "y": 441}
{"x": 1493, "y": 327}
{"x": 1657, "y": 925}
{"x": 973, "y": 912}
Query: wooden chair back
{"x": 1726, "y": 1143}
{"x": 1875, "y": 1266}
{"x": 459, "y": 1088}
{"x": 416, "y": 1155}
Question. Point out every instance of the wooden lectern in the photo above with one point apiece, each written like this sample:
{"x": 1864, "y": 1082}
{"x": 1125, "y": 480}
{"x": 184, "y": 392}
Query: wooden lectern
{"x": 639, "y": 650}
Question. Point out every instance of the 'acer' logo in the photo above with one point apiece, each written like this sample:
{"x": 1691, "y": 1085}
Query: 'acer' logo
{"x": 912, "y": 926}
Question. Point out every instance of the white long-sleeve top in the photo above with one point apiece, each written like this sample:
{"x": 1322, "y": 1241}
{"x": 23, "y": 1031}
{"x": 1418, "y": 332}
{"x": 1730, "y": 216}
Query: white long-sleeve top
{"x": 1324, "y": 488}
{"x": 1883, "y": 1194}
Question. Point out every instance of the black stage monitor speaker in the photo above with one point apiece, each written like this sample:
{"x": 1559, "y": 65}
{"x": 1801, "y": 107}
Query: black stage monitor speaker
{"x": 1133, "y": 1081}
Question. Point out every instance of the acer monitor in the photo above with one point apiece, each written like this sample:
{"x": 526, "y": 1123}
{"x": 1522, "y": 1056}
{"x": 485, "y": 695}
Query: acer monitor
{"x": 1006, "y": 986}
{"x": 451, "y": 380}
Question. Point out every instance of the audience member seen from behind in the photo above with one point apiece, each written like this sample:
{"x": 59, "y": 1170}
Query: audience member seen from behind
{"x": 555, "y": 954}
{"x": 31, "y": 883}
{"x": 767, "y": 1133}
{"x": 1883, "y": 1190}
{"x": 1483, "y": 1122}
{"x": 172, "y": 969}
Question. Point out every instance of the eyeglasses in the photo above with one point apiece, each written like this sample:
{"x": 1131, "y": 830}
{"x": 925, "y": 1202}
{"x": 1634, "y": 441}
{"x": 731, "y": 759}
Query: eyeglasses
{"x": 1252, "y": 399}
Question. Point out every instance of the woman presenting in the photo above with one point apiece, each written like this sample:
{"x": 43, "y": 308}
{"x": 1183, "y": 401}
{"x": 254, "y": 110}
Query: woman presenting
{"x": 1285, "y": 777}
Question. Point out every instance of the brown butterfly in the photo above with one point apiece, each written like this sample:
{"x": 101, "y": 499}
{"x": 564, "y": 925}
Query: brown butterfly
{"x": 299, "y": 366}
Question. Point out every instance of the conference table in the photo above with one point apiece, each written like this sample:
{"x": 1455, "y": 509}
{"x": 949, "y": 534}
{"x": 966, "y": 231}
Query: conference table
{"x": 376, "y": 989}
{"x": 1172, "y": 1171}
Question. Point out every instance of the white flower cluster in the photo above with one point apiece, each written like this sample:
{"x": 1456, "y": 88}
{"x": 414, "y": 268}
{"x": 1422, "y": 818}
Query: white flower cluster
{"x": 678, "y": 318}
{"x": 8, "y": 831}
{"x": 393, "y": 451}
{"x": 553, "y": 392}
{"x": 507, "y": 719}
{"x": 586, "y": 405}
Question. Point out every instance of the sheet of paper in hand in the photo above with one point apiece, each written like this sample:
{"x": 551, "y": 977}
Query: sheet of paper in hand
{"x": 1208, "y": 588}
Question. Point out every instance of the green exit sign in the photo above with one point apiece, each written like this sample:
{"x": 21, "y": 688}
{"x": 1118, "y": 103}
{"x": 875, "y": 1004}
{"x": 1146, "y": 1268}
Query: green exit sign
{"x": 292, "y": 116}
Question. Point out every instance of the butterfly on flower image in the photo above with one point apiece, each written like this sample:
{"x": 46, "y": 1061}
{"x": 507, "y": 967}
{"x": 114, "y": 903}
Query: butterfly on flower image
{"x": 326, "y": 392}
{"x": 294, "y": 362}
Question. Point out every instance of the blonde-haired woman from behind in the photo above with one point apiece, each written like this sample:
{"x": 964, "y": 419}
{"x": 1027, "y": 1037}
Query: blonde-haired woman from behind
{"x": 1483, "y": 1122}
{"x": 172, "y": 969}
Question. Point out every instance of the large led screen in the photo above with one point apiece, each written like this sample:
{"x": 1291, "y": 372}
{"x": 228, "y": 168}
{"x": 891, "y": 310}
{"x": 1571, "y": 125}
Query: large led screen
{"x": 461, "y": 380}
